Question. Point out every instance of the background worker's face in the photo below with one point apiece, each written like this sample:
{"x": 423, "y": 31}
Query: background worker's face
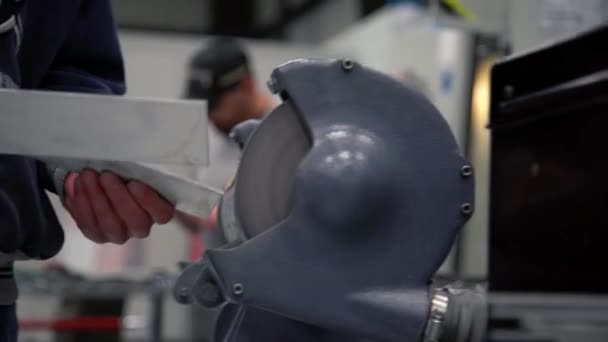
{"x": 234, "y": 107}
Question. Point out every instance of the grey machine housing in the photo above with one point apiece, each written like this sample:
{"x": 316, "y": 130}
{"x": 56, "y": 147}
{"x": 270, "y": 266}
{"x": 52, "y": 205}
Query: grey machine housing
{"x": 372, "y": 210}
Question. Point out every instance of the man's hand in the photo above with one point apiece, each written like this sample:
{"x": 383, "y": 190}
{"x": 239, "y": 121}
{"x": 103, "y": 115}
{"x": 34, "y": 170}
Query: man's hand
{"x": 108, "y": 209}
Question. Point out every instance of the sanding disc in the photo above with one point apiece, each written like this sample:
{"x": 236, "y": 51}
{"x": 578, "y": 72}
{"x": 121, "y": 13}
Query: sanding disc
{"x": 264, "y": 183}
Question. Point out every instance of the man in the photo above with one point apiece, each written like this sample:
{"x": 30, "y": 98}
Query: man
{"x": 220, "y": 73}
{"x": 62, "y": 45}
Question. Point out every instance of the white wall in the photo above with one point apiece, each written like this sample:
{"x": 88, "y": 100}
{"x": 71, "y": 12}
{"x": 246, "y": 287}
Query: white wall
{"x": 527, "y": 24}
{"x": 538, "y": 22}
{"x": 329, "y": 19}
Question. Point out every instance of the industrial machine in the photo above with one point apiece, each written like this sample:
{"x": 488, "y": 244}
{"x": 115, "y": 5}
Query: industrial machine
{"x": 347, "y": 199}
{"x": 548, "y": 224}
{"x": 319, "y": 246}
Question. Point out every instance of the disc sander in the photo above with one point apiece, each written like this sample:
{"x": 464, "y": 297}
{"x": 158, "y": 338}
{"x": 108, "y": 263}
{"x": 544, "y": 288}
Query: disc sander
{"x": 263, "y": 190}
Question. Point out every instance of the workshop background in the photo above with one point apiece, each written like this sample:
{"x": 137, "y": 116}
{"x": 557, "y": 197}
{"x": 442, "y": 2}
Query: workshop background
{"x": 442, "y": 48}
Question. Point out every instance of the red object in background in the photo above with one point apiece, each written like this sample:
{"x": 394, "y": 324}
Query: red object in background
{"x": 197, "y": 247}
{"x": 99, "y": 323}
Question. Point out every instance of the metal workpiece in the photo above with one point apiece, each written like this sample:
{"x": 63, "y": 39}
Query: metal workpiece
{"x": 187, "y": 195}
{"x": 103, "y": 127}
{"x": 350, "y": 195}
{"x": 131, "y": 137}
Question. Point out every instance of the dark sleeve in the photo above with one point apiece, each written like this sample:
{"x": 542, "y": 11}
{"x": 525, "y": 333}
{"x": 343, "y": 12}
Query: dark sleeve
{"x": 90, "y": 59}
{"x": 70, "y": 45}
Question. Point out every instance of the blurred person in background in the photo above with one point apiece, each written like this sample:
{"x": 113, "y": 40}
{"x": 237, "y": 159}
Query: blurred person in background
{"x": 220, "y": 73}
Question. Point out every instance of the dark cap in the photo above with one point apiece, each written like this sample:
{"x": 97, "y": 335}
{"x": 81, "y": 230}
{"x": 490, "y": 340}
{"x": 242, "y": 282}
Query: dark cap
{"x": 219, "y": 66}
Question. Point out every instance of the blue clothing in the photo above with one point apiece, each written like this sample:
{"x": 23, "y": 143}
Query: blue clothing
{"x": 8, "y": 323}
{"x": 63, "y": 45}
{"x": 59, "y": 45}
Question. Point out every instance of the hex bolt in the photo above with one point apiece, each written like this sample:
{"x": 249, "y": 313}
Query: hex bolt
{"x": 273, "y": 85}
{"x": 347, "y": 64}
{"x": 466, "y": 209}
{"x": 466, "y": 171}
{"x": 183, "y": 295}
{"x": 238, "y": 289}
{"x": 208, "y": 295}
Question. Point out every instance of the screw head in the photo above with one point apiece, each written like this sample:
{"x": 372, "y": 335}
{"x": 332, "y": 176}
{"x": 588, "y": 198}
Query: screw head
{"x": 238, "y": 289}
{"x": 182, "y": 295}
{"x": 273, "y": 85}
{"x": 466, "y": 209}
{"x": 466, "y": 171}
{"x": 208, "y": 295}
{"x": 348, "y": 64}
